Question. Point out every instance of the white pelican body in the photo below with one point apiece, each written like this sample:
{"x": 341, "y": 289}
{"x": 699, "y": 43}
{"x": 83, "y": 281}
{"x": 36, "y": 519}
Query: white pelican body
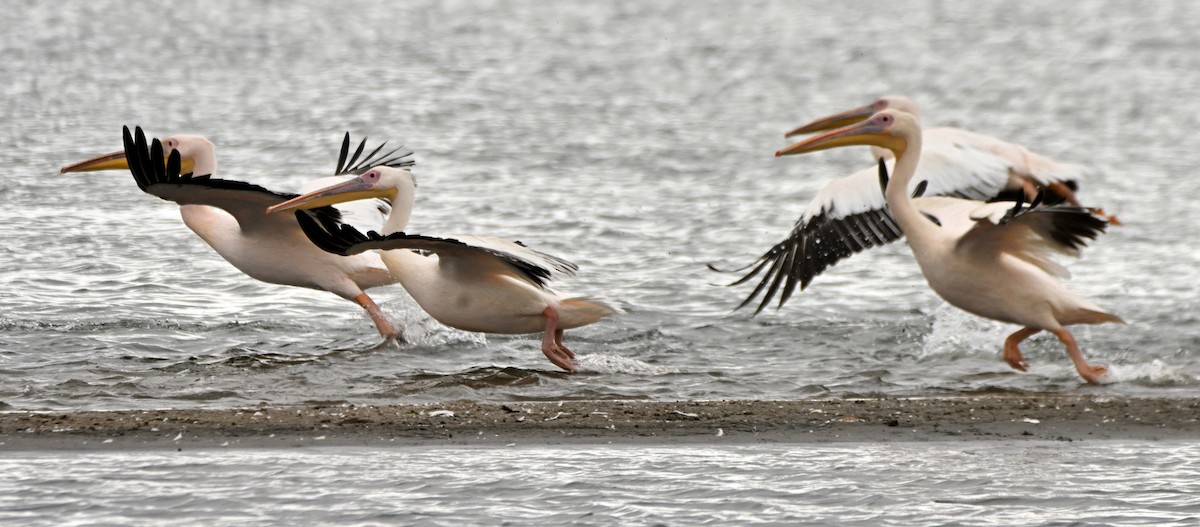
{"x": 989, "y": 259}
{"x": 229, "y": 216}
{"x": 481, "y": 284}
{"x": 849, "y": 214}
{"x": 475, "y": 291}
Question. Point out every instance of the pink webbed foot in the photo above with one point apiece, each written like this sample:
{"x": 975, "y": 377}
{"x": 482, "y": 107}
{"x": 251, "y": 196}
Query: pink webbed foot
{"x": 552, "y": 345}
{"x": 1092, "y": 373}
{"x": 1014, "y": 358}
{"x": 1012, "y": 351}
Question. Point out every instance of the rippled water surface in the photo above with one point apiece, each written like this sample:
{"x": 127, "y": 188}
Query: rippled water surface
{"x": 909, "y": 484}
{"x": 632, "y": 138}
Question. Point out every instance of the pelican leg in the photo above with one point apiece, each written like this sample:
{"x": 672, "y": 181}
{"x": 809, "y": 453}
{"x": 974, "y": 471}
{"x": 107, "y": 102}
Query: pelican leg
{"x": 1012, "y": 353}
{"x": 552, "y": 345}
{"x": 1090, "y": 373}
{"x": 385, "y": 327}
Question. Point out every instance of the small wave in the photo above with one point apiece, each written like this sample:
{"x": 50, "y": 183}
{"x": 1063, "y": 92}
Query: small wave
{"x": 605, "y": 363}
{"x": 1155, "y": 373}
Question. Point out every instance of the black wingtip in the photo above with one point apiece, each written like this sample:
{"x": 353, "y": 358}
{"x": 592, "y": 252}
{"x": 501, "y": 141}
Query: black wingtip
{"x": 883, "y": 176}
{"x": 920, "y": 190}
{"x": 341, "y": 164}
{"x": 358, "y": 163}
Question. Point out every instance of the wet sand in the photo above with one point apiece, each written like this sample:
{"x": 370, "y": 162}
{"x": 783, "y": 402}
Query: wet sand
{"x": 1024, "y": 417}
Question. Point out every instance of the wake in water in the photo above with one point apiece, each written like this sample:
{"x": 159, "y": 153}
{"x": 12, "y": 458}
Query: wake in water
{"x": 606, "y": 363}
{"x": 1154, "y": 373}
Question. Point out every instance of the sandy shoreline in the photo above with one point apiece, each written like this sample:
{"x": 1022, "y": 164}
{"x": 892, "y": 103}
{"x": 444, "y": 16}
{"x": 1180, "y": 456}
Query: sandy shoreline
{"x": 1036, "y": 417}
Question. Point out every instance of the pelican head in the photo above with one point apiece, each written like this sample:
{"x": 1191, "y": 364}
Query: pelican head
{"x": 195, "y": 152}
{"x": 394, "y": 184}
{"x": 890, "y": 129}
{"x": 848, "y": 117}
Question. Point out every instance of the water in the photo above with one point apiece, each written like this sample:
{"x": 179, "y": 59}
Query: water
{"x": 976, "y": 484}
{"x": 632, "y": 138}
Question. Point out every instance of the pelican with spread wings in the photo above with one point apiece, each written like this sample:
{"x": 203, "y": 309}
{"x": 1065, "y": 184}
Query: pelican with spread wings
{"x": 230, "y": 215}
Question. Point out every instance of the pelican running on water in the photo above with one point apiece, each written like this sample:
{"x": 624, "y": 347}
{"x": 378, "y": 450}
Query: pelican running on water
{"x": 989, "y": 259}
{"x": 481, "y": 284}
{"x": 849, "y": 214}
{"x": 229, "y": 216}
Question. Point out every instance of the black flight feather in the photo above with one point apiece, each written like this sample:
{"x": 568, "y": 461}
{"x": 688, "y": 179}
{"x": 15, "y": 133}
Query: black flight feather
{"x": 146, "y": 164}
{"x": 333, "y": 236}
{"x": 883, "y": 176}
{"x": 373, "y": 159}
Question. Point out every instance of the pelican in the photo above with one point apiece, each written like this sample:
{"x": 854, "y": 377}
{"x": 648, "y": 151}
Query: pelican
{"x": 1023, "y": 170}
{"x": 848, "y": 214}
{"x": 989, "y": 259}
{"x": 480, "y": 284}
{"x": 228, "y": 215}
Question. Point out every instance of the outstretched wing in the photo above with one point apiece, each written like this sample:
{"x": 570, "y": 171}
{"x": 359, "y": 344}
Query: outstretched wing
{"x": 333, "y": 236}
{"x": 246, "y": 202}
{"x": 849, "y": 215}
{"x": 1031, "y": 232}
{"x": 1041, "y": 169}
{"x": 393, "y": 158}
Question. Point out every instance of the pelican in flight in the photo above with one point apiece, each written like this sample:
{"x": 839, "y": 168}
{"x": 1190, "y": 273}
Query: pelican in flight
{"x": 229, "y": 216}
{"x": 849, "y": 214}
{"x": 481, "y": 284}
{"x": 989, "y": 259}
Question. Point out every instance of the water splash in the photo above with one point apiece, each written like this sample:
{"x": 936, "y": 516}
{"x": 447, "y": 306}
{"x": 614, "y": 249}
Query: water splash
{"x": 957, "y": 332}
{"x": 422, "y": 330}
{"x": 1154, "y": 373}
{"x": 605, "y": 363}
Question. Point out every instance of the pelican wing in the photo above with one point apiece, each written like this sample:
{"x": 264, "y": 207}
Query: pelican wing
{"x": 1017, "y": 158}
{"x": 849, "y": 215}
{"x": 1033, "y": 233}
{"x": 246, "y": 202}
{"x": 330, "y": 234}
{"x": 517, "y": 249}
{"x": 961, "y": 170}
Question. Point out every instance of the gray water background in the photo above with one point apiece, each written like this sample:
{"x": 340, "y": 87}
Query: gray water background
{"x": 635, "y": 139}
